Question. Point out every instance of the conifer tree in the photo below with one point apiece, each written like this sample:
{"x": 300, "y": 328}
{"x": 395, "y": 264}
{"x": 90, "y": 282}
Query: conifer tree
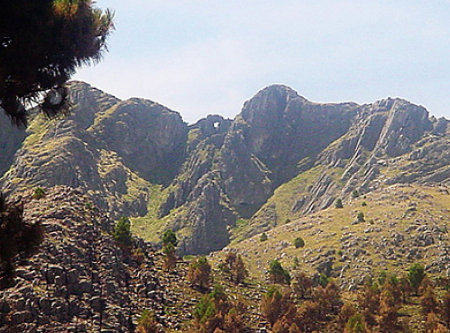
{"x": 428, "y": 301}
{"x": 277, "y": 274}
{"x": 43, "y": 42}
{"x": 388, "y": 312}
{"x": 169, "y": 241}
{"x": 356, "y": 324}
{"x": 170, "y": 258}
{"x": 199, "y": 273}
{"x": 234, "y": 266}
{"x": 169, "y": 237}
{"x": 301, "y": 285}
{"x": 416, "y": 274}
{"x": 369, "y": 302}
{"x": 216, "y": 313}
{"x": 122, "y": 232}
{"x": 275, "y": 305}
{"x": 18, "y": 239}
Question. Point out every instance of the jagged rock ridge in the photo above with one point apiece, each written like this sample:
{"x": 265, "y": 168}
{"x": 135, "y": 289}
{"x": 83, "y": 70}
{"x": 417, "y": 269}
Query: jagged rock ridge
{"x": 280, "y": 158}
{"x": 143, "y": 144}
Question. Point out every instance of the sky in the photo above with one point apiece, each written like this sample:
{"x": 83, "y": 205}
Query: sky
{"x": 202, "y": 57}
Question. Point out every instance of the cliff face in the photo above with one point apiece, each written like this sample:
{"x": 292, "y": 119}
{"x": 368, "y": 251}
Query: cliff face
{"x": 149, "y": 138}
{"x": 275, "y": 131}
{"x": 221, "y": 180}
{"x": 384, "y": 145}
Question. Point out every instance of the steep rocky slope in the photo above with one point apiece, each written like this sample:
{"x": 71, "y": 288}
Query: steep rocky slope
{"x": 222, "y": 180}
{"x": 389, "y": 142}
{"x": 80, "y": 281}
{"x": 75, "y": 151}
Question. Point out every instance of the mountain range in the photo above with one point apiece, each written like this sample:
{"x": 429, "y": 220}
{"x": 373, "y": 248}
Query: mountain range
{"x": 221, "y": 181}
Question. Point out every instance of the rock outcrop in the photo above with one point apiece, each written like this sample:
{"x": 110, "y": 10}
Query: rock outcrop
{"x": 81, "y": 280}
{"x": 144, "y": 143}
{"x": 149, "y": 138}
{"x": 280, "y": 158}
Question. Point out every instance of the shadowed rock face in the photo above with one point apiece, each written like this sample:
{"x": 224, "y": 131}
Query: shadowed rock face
{"x": 219, "y": 170}
{"x": 149, "y": 137}
{"x": 275, "y": 131}
{"x": 10, "y": 140}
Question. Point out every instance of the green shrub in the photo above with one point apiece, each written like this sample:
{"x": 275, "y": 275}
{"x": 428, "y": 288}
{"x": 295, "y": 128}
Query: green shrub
{"x": 147, "y": 323}
{"x": 416, "y": 274}
{"x": 356, "y": 324}
{"x": 323, "y": 280}
{"x": 205, "y": 309}
{"x": 355, "y": 194}
{"x": 364, "y": 204}
{"x": 299, "y": 242}
{"x": 122, "y": 233}
{"x": 39, "y": 192}
{"x": 278, "y": 274}
{"x": 339, "y": 204}
{"x": 361, "y": 217}
{"x": 169, "y": 237}
{"x": 263, "y": 237}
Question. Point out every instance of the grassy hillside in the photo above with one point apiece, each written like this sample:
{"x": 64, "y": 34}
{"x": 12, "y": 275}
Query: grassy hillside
{"x": 403, "y": 224}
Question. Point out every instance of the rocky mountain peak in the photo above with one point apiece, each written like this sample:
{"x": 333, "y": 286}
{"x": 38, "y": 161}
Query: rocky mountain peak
{"x": 149, "y": 137}
{"x": 281, "y": 157}
{"x": 405, "y": 124}
{"x": 269, "y": 102}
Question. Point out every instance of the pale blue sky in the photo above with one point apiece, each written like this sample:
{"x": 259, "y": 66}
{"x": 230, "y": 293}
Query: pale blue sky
{"x": 201, "y": 57}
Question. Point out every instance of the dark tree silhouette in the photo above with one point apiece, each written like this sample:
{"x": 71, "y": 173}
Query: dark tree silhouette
{"x": 416, "y": 274}
{"x": 42, "y": 42}
{"x": 18, "y": 239}
{"x": 169, "y": 236}
{"x": 122, "y": 232}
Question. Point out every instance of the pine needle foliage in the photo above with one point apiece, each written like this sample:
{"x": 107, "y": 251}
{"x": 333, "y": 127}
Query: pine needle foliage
{"x": 42, "y": 43}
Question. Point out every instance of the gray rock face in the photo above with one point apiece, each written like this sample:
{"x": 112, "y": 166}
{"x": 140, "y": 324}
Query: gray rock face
{"x": 150, "y": 138}
{"x": 387, "y": 129}
{"x": 209, "y": 218}
{"x": 144, "y": 142}
{"x": 219, "y": 170}
{"x": 405, "y": 124}
{"x": 275, "y": 131}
